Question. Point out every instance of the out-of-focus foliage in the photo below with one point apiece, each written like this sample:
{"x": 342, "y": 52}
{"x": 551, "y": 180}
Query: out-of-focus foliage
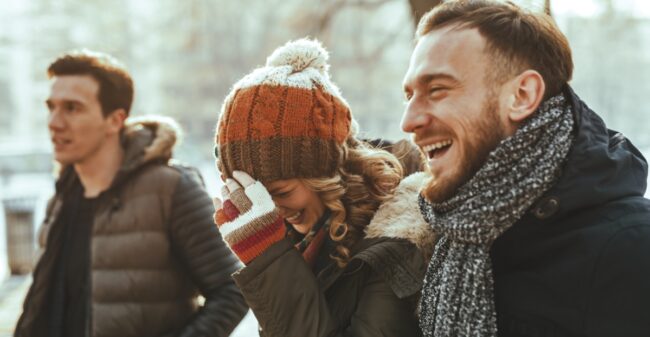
{"x": 185, "y": 56}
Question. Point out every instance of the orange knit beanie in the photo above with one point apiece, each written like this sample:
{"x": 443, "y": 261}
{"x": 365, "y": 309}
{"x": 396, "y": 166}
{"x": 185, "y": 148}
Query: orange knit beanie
{"x": 284, "y": 120}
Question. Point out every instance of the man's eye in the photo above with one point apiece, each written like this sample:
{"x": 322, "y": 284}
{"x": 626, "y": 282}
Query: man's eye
{"x": 436, "y": 91}
{"x": 408, "y": 96}
{"x": 71, "y": 107}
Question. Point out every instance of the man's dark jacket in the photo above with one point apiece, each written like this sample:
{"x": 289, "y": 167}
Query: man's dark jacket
{"x": 578, "y": 263}
{"x": 153, "y": 250}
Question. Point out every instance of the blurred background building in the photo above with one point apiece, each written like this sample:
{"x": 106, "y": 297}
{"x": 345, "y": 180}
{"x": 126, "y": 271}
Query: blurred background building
{"x": 185, "y": 55}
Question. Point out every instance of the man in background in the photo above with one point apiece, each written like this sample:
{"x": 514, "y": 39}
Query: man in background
{"x": 128, "y": 240}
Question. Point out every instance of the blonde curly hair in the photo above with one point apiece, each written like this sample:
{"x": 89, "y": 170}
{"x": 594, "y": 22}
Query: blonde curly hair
{"x": 366, "y": 176}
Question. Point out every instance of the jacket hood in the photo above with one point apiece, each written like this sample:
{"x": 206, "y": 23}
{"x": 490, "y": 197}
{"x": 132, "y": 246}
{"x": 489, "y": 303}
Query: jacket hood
{"x": 149, "y": 138}
{"x": 601, "y": 166}
{"x": 145, "y": 139}
{"x": 400, "y": 217}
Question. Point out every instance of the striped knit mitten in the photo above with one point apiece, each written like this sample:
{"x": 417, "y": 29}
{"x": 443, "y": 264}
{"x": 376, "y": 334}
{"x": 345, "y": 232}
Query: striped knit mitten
{"x": 248, "y": 220}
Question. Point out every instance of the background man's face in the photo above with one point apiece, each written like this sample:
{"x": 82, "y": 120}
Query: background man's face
{"x": 77, "y": 126}
{"x": 452, "y": 112}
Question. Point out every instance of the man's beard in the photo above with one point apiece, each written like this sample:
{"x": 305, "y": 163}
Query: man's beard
{"x": 488, "y": 132}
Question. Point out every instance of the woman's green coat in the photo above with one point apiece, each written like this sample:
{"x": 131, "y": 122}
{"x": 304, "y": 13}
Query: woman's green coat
{"x": 376, "y": 294}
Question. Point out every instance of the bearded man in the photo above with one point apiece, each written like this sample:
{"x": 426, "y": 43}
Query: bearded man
{"x": 542, "y": 226}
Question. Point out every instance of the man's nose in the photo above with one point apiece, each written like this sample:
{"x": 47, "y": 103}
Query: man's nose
{"x": 55, "y": 120}
{"x": 414, "y": 117}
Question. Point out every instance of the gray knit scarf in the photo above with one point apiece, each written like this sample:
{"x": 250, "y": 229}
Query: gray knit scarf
{"x": 457, "y": 295}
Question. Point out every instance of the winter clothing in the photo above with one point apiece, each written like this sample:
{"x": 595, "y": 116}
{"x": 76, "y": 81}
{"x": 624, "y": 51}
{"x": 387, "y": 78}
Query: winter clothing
{"x": 310, "y": 244}
{"x": 252, "y": 232}
{"x": 577, "y": 262}
{"x": 374, "y": 295}
{"x": 286, "y": 121}
{"x": 68, "y": 304}
{"x": 399, "y": 216}
{"x": 286, "y": 112}
{"x": 153, "y": 249}
{"x": 515, "y": 174}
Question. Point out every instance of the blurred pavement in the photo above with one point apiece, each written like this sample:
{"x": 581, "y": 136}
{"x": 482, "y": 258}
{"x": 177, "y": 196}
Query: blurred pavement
{"x": 12, "y": 293}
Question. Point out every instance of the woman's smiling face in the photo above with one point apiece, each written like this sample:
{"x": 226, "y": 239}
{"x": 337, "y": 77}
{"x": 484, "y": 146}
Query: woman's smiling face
{"x": 299, "y": 205}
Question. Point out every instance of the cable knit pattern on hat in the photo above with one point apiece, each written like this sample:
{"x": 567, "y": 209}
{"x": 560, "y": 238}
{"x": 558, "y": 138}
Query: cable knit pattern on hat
{"x": 286, "y": 119}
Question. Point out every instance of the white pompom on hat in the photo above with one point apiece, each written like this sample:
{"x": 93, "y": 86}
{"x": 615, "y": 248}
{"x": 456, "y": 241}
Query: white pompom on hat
{"x": 300, "y": 55}
{"x": 301, "y": 64}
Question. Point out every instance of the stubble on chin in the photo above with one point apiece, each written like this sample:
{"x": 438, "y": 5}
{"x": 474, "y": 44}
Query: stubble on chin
{"x": 437, "y": 190}
{"x": 489, "y": 132}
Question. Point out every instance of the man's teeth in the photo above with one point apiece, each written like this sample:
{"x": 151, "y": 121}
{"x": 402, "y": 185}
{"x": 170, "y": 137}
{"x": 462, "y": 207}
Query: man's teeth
{"x": 295, "y": 216}
{"x": 436, "y": 146}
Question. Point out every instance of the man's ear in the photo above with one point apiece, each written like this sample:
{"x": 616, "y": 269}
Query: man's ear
{"x": 116, "y": 120}
{"x": 528, "y": 93}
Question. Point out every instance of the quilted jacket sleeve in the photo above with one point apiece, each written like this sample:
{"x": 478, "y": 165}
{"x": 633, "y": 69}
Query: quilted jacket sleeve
{"x": 207, "y": 259}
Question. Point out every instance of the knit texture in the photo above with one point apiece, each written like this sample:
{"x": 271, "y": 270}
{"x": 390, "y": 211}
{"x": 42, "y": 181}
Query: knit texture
{"x": 457, "y": 296}
{"x": 257, "y": 227}
{"x": 285, "y": 120}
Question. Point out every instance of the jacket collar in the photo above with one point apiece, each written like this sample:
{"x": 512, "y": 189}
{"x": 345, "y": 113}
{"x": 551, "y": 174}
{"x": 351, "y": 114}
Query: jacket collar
{"x": 332, "y": 272}
{"x": 602, "y": 165}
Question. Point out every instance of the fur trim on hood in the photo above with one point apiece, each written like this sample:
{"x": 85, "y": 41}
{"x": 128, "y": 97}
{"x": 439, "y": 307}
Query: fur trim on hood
{"x": 166, "y": 132}
{"x": 399, "y": 216}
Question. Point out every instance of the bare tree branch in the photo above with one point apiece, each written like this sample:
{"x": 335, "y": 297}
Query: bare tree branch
{"x": 327, "y": 15}
{"x": 547, "y": 7}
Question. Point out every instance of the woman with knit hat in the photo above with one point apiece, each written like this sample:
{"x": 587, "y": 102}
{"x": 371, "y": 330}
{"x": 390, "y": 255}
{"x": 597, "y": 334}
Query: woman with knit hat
{"x": 300, "y": 194}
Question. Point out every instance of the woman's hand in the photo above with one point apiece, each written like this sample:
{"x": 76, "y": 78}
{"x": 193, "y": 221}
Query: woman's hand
{"x": 247, "y": 218}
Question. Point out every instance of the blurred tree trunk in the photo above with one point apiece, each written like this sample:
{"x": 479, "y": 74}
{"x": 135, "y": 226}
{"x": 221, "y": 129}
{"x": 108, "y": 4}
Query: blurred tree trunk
{"x": 547, "y": 7}
{"x": 420, "y": 7}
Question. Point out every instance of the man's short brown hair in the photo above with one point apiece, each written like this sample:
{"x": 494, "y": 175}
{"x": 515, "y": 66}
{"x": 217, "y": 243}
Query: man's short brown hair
{"x": 516, "y": 39}
{"x": 115, "y": 83}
